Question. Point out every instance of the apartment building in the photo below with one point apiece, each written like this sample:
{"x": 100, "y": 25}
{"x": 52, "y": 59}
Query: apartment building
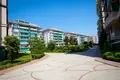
{"x": 109, "y": 17}
{"x": 94, "y": 38}
{"x": 54, "y": 35}
{"x": 58, "y": 36}
{"x": 24, "y": 31}
{"x": 3, "y": 20}
{"x": 80, "y": 38}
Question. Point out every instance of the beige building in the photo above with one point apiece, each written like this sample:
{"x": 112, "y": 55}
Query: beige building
{"x": 3, "y": 19}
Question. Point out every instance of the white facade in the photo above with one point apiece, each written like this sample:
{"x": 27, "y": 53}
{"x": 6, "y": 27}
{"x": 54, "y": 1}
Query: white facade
{"x": 53, "y": 35}
{"x": 95, "y": 39}
{"x": 3, "y": 20}
{"x": 80, "y": 38}
{"x": 24, "y": 31}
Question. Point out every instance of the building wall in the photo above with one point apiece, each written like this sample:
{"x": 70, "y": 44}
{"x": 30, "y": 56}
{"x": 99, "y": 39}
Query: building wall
{"x": 3, "y": 20}
{"x": 24, "y": 33}
{"x": 53, "y": 35}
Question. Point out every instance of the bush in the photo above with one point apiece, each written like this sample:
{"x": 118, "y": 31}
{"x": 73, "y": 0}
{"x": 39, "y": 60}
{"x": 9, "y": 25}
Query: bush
{"x": 72, "y": 48}
{"x": 4, "y": 62}
{"x": 65, "y": 49}
{"x": 3, "y": 67}
{"x": 37, "y": 52}
{"x": 117, "y": 54}
{"x": 51, "y": 45}
{"x": 110, "y": 58}
{"x": 117, "y": 59}
{"x": 11, "y": 55}
{"x": 37, "y": 56}
{"x": 37, "y": 45}
{"x": 107, "y": 54}
{"x": 12, "y": 45}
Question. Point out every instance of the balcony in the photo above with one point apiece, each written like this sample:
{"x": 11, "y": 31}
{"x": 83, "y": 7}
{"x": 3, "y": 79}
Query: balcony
{"x": 21, "y": 27}
{"x": 24, "y": 35}
{"x": 22, "y": 43}
{"x": 23, "y": 31}
{"x": 115, "y": 37}
{"x": 24, "y": 39}
{"x": 111, "y": 18}
{"x": 32, "y": 29}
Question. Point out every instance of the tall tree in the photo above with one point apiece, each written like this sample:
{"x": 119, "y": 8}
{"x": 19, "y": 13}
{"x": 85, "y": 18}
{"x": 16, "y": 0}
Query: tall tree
{"x": 73, "y": 41}
{"x": 37, "y": 45}
{"x": 66, "y": 40}
{"x": 51, "y": 45}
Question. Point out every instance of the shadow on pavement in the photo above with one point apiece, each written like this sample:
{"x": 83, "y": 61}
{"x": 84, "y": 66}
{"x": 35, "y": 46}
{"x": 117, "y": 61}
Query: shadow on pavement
{"x": 92, "y": 52}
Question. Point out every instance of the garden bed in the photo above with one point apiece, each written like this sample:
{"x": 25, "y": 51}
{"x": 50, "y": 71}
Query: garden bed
{"x": 22, "y": 58}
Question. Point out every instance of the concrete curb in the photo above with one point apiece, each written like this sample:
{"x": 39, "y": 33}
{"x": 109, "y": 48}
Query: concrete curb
{"x": 116, "y": 64}
{"x": 2, "y": 72}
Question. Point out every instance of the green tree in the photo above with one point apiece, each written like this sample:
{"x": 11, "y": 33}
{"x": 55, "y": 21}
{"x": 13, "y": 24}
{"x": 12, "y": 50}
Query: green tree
{"x": 73, "y": 41}
{"x": 90, "y": 43}
{"x": 37, "y": 45}
{"x": 12, "y": 45}
{"x": 51, "y": 45}
{"x": 66, "y": 40}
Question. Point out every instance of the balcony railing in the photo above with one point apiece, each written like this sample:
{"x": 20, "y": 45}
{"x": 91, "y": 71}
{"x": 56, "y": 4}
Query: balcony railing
{"x": 23, "y": 31}
{"x": 113, "y": 36}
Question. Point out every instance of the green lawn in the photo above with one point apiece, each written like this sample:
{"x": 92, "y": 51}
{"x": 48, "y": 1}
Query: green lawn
{"x": 23, "y": 58}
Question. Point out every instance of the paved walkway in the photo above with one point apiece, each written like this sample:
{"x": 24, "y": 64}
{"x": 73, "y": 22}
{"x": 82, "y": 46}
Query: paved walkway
{"x": 65, "y": 67}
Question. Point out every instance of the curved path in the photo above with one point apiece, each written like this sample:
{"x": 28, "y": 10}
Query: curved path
{"x": 66, "y": 67}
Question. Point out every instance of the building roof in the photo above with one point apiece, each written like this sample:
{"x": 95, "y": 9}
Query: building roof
{"x": 53, "y": 29}
{"x": 24, "y": 24}
{"x": 72, "y": 33}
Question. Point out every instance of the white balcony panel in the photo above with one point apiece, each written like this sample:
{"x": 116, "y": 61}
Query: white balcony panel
{"x": 24, "y": 43}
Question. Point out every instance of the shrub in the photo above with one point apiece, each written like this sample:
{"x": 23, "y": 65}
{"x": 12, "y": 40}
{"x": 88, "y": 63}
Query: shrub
{"x": 72, "y": 48}
{"x": 65, "y": 49}
{"x": 37, "y": 45}
{"x": 11, "y": 55}
{"x": 117, "y": 59}
{"x": 37, "y": 52}
{"x": 3, "y": 67}
{"x": 4, "y": 62}
{"x": 51, "y": 45}
{"x": 111, "y": 57}
{"x": 81, "y": 47}
{"x": 12, "y": 46}
{"x": 37, "y": 56}
{"x": 117, "y": 54}
{"x": 107, "y": 54}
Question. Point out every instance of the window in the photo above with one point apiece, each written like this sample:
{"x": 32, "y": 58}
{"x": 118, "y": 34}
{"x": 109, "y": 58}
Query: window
{"x": 15, "y": 33}
{"x": 115, "y": 5}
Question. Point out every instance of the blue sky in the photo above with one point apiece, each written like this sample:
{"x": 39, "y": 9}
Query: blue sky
{"x": 77, "y": 16}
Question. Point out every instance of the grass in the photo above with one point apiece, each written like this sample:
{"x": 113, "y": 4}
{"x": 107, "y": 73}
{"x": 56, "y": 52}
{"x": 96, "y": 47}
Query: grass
{"x": 22, "y": 58}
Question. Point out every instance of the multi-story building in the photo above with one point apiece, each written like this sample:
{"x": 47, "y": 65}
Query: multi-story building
{"x": 80, "y": 38}
{"x": 58, "y": 36}
{"x": 24, "y": 31}
{"x": 109, "y": 14}
{"x": 94, "y": 38}
{"x": 51, "y": 34}
{"x": 3, "y": 19}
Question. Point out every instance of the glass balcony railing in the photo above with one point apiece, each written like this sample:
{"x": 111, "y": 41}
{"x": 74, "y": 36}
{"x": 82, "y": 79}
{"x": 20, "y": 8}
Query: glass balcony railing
{"x": 24, "y": 49}
{"x": 23, "y": 31}
{"x": 23, "y": 40}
